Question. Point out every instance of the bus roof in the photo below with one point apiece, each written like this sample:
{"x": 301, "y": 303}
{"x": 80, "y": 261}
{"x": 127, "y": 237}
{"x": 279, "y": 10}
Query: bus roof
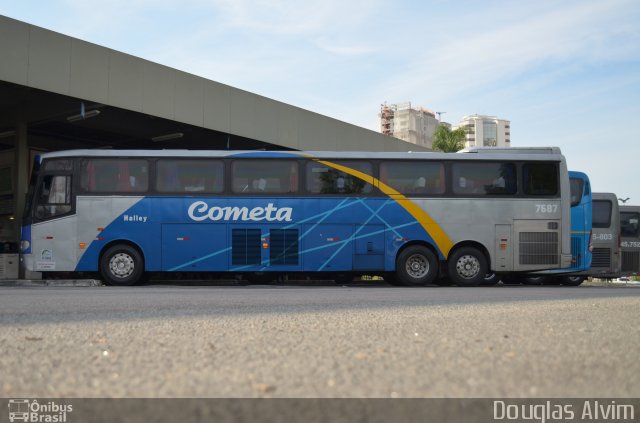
{"x": 551, "y": 154}
{"x": 605, "y": 196}
{"x": 512, "y": 150}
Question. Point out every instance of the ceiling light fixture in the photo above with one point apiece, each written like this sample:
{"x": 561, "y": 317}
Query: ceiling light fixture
{"x": 167, "y": 137}
{"x": 7, "y": 134}
{"x": 83, "y": 116}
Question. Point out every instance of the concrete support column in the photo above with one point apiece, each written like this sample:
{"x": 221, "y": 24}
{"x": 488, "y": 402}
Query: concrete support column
{"x": 22, "y": 170}
{"x": 23, "y": 167}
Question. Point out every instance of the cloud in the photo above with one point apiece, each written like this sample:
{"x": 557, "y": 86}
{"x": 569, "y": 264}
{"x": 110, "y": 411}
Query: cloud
{"x": 579, "y": 33}
{"x": 336, "y": 48}
{"x": 293, "y": 17}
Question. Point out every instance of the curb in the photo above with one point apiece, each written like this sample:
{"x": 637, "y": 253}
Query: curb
{"x": 52, "y": 282}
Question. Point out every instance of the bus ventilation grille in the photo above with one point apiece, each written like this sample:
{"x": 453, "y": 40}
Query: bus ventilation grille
{"x": 631, "y": 261}
{"x": 245, "y": 247}
{"x": 284, "y": 247}
{"x": 538, "y": 248}
{"x": 601, "y": 257}
{"x": 576, "y": 252}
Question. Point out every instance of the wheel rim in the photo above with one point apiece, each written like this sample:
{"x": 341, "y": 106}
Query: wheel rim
{"x": 417, "y": 266}
{"x": 468, "y": 266}
{"x": 573, "y": 278}
{"x": 121, "y": 265}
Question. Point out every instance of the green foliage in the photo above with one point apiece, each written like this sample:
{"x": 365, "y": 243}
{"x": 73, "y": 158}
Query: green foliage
{"x": 447, "y": 140}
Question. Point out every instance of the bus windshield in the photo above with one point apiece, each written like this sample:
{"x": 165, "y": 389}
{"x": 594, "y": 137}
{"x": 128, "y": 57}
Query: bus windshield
{"x": 601, "y": 213}
{"x": 577, "y": 189}
{"x": 629, "y": 223}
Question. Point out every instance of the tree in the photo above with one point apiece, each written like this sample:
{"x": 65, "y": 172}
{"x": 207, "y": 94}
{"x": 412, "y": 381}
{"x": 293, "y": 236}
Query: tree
{"x": 448, "y": 141}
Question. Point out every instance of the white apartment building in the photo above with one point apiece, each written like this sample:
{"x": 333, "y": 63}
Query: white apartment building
{"x": 486, "y": 131}
{"x": 414, "y": 125}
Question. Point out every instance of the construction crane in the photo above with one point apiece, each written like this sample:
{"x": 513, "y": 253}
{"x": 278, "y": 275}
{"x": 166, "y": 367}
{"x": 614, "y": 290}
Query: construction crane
{"x": 439, "y": 113}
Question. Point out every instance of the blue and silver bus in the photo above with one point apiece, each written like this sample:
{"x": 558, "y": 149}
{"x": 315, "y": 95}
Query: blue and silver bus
{"x": 408, "y": 216}
{"x": 581, "y": 227}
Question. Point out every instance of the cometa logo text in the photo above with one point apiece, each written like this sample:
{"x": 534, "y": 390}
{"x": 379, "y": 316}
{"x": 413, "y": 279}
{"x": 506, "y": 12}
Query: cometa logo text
{"x": 200, "y": 211}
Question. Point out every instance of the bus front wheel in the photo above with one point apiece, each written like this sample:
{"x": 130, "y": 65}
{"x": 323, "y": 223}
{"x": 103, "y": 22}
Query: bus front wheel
{"x": 416, "y": 266}
{"x": 121, "y": 265}
{"x": 467, "y": 266}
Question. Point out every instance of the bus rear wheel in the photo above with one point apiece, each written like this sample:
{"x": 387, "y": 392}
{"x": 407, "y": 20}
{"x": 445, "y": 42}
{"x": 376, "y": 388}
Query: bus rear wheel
{"x": 121, "y": 265}
{"x": 467, "y": 266}
{"x": 416, "y": 266}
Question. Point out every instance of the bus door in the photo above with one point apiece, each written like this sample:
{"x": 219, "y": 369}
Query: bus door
{"x": 53, "y": 231}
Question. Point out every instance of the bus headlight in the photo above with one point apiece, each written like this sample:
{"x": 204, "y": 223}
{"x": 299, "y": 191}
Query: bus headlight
{"x": 24, "y": 245}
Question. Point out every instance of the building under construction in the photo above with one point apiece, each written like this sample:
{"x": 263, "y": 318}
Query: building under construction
{"x": 414, "y": 125}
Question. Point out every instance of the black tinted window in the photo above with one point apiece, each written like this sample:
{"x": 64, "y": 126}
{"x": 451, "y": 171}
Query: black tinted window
{"x": 412, "y": 177}
{"x": 577, "y": 188}
{"x": 541, "y": 179}
{"x": 114, "y": 175}
{"x": 484, "y": 178}
{"x": 629, "y": 224}
{"x": 190, "y": 176}
{"x": 322, "y": 179}
{"x": 601, "y": 213}
{"x": 265, "y": 176}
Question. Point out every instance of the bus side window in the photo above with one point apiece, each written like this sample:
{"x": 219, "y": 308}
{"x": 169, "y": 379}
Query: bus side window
{"x": 413, "y": 177}
{"x": 264, "y": 176}
{"x": 540, "y": 179}
{"x": 189, "y": 176}
{"x": 324, "y": 179}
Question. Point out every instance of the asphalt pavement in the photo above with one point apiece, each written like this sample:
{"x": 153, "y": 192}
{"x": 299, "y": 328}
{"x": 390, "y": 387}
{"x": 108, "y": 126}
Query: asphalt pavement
{"x": 319, "y": 341}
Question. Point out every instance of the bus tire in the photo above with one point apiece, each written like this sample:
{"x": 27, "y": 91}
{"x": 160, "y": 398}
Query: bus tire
{"x": 467, "y": 266}
{"x": 572, "y": 280}
{"x": 416, "y": 266}
{"x": 121, "y": 265}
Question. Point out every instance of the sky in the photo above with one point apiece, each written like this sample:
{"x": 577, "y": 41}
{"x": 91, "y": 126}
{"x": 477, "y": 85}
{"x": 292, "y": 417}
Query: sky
{"x": 565, "y": 73}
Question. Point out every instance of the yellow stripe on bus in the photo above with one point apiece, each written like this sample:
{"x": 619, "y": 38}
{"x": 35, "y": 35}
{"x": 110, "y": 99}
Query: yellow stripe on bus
{"x": 441, "y": 239}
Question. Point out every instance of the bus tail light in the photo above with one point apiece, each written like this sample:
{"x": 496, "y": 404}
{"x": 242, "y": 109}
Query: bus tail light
{"x": 591, "y": 241}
